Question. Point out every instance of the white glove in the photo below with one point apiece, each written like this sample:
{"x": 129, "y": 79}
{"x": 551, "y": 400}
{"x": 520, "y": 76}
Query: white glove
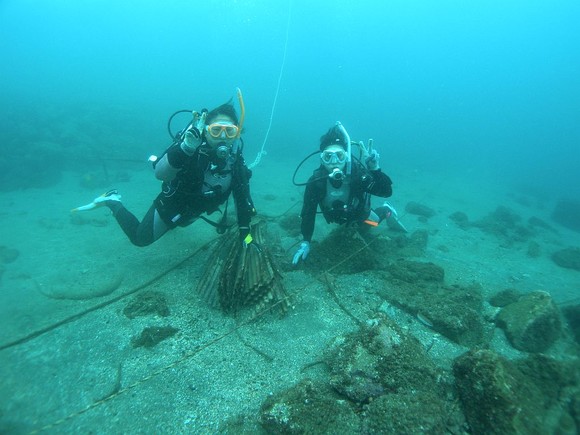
{"x": 301, "y": 253}
{"x": 370, "y": 155}
{"x": 191, "y": 140}
{"x": 372, "y": 161}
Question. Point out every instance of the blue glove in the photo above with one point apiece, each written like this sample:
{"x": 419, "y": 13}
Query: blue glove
{"x": 301, "y": 253}
{"x": 372, "y": 160}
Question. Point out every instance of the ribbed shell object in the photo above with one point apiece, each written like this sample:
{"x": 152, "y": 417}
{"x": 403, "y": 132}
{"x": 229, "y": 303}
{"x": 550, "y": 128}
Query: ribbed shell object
{"x": 238, "y": 277}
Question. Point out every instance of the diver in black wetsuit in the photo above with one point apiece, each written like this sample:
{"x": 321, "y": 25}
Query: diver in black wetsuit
{"x": 199, "y": 171}
{"x": 342, "y": 188}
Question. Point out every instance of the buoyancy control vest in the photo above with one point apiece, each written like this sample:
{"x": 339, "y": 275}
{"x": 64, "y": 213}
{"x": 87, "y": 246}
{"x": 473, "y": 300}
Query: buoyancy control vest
{"x": 335, "y": 204}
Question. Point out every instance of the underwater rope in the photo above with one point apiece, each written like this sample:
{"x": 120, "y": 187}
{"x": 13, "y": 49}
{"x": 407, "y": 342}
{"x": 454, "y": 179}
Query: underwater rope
{"x": 262, "y": 152}
{"x": 80, "y": 314}
{"x": 198, "y": 349}
{"x": 106, "y": 303}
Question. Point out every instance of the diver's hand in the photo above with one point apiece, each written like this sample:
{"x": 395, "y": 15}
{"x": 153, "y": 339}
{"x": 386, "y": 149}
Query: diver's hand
{"x": 249, "y": 242}
{"x": 370, "y": 155}
{"x": 301, "y": 253}
{"x": 372, "y": 161}
{"x": 247, "y": 239}
{"x": 191, "y": 140}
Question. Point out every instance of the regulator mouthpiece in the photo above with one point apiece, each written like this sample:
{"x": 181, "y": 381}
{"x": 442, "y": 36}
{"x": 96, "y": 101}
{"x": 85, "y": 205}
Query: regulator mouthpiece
{"x": 336, "y": 174}
{"x": 222, "y": 152}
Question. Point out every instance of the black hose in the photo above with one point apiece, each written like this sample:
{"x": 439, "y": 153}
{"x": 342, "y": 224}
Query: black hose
{"x": 303, "y": 161}
{"x": 174, "y": 137}
{"x": 299, "y": 166}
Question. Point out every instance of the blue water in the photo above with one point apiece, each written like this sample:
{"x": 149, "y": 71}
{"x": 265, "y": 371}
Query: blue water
{"x": 450, "y": 91}
{"x": 488, "y": 86}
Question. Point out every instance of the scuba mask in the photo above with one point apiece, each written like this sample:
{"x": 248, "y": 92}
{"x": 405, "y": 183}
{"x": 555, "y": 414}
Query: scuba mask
{"x": 220, "y": 138}
{"x": 223, "y": 134}
{"x": 224, "y": 130}
{"x": 337, "y": 157}
{"x": 338, "y": 162}
{"x": 334, "y": 159}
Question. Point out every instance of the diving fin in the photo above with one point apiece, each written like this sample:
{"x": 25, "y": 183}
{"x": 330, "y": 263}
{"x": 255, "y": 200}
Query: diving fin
{"x": 111, "y": 195}
{"x": 391, "y": 217}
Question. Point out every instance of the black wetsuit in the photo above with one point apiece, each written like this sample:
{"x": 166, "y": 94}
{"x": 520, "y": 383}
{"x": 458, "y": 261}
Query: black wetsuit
{"x": 203, "y": 183}
{"x": 344, "y": 201}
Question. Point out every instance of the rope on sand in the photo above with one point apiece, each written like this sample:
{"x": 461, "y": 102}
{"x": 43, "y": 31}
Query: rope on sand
{"x": 83, "y": 313}
{"x": 118, "y": 390}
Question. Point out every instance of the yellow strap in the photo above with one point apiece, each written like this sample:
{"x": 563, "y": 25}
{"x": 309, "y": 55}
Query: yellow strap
{"x": 248, "y": 239}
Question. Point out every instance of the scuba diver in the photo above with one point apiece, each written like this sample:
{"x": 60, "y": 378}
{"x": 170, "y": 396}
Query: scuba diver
{"x": 200, "y": 170}
{"x": 343, "y": 188}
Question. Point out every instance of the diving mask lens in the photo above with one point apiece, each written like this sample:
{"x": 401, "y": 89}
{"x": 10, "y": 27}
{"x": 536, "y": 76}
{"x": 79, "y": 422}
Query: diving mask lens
{"x": 333, "y": 157}
{"x": 218, "y": 129}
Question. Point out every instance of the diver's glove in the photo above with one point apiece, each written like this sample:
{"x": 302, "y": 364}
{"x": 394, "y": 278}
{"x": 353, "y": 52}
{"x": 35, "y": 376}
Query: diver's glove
{"x": 372, "y": 161}
{"x": 301, "y": 253}
{"x": 370, "y": 155}
{"x": 191, "y": 140}
{"x": 248, "y": 241}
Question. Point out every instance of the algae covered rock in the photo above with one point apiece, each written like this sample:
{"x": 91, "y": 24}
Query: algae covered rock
{"x": 372, "y": 252}
{"x": 572, "y": 315}
{"x": 381, "y": 380}
{"x": 377, "y": 359}
{"x": 147, "y": 303}
{"x": 506, "y": 225}
{"x": 551, "y": 376}
{"x": 406, "y": 413}
{"x": 386, "y": 371}
{"x": 337, "y": 247}
{"x": 504, "y": 297}
{"x": 460, "y": 219}
{"x": 531, "y": 395}
{"x": 419, "y": 209}
{"x": 495, "y": 397}
{"x": 454, "y": 311}
{"x": 153, "y": 335}
{"x": 401, "y": 245}
{"x": 568, "y": 258}
{"x": 308, "y": 407}
{"x": 413, "y": 271}
{"x": 532, "y": 323}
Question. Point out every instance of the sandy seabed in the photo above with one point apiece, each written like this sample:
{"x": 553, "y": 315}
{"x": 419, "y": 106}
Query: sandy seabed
{"x": 68, "y": 365}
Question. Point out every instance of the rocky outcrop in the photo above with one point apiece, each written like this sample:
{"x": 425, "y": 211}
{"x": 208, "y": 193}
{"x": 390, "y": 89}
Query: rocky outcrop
{"x": 528, "y": 396}
{"x": 452, "y": 310}
{"x": 532, "y": 323}
{"x": 381, "y": 380}
{"x": 568, "y": 258}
